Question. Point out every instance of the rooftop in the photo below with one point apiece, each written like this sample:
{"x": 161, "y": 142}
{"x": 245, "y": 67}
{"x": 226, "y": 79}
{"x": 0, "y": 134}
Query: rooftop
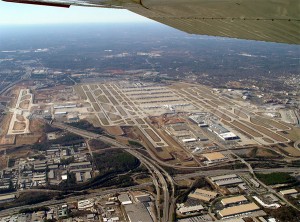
{"x": 224, "y": 177}
{"x": 232, "y": 200}
{"x": 138, "y": 213}
{"x": 244, "y": 208}
{"x": 214, "y": 156}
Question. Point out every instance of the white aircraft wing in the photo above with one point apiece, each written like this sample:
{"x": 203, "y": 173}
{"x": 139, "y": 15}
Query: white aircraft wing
{"x": 263, "y": 20}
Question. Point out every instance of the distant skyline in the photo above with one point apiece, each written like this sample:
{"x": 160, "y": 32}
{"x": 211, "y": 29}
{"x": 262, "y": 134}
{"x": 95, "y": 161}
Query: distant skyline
{"x": 19, "y": 14}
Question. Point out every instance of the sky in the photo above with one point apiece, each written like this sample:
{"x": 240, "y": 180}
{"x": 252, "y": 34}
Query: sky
{"x": 18, "y": 14}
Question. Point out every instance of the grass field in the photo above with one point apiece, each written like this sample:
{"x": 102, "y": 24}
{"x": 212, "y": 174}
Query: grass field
{"x": 153, "y": 136}
{"x": 80, "y": 92}
{"x": 275, "y": 178}
{"x": 240, "y": 114}
{"x": 267, "y": 132}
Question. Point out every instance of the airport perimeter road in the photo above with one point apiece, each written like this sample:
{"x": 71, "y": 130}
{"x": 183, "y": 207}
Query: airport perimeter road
{"x": 92, "y": 194}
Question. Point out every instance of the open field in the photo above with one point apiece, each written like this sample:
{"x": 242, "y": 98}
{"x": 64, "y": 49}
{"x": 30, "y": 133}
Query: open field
{"x": 24, "y": 104}
{"x": 3, "y": 162}
{"x": 20, "y": 118}
{"x": 240, "y": 114}
{"x": 246, "y": 129}
{"x": 78, "y": 89}
{"x": 19, "y": 126}
{"x": 153, "y": 136}
{"x": 268, "y": 122}
{"x": 267, "y": 132}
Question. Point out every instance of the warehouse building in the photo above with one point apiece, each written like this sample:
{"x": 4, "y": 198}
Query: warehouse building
{"x": 124, "y": 199}
{"x": 190, "y": 209}
{"x": 203, "y": 195}
{"x": 189, "y": 140}
{"x": 224, "y": 177}
{"x": 234, "y": 200}
{"x": 226, "y": 180}
{"x": 7, "y": 198}
{"x": 137, "y": 213}
{"x": 214, "y": 157}
{"x": 238, "y": 210}
{"x": 289, "y": 192}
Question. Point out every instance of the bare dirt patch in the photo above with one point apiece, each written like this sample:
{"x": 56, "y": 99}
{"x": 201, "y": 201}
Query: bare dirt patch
{"x": 19, "y": 126}
{"x": 3, "y": 162}
{"x": 24, "y": 104}
{"x": 114, "y": 130}
{"x": 26, "y": 97}
{"x": 20, "y": 118}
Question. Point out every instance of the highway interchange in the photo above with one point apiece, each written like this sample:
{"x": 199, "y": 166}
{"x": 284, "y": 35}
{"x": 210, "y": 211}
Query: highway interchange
{"x": 163, "y": 182}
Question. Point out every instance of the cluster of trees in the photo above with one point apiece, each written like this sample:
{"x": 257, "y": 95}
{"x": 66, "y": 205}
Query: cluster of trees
{"x": 98, "y": 144}
{"x": 115, "y": 161}
{"x": 275, "y": 178}
{"x": 85, "y": 125}
{"x": 68, "y": 139}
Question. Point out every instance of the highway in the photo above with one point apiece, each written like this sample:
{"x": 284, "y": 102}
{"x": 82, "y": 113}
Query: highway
{"x": 158, "y": 173}
{"x": 93, "y": 194}
{"x": 161, "y": 178}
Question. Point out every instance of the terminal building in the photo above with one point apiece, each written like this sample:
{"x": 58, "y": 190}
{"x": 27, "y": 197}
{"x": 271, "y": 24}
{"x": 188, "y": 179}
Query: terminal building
{"x": 222, "y": 132}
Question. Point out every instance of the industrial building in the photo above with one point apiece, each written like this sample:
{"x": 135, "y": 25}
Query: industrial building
{"x": 214, "y": 157}
{"x": 85, "y": 204}
{"x": 65, "y": 106}
{"x": 137, "y": 213}
{"x": 7, "y": 198}
{"x": 238, "y": 210}
{"x": 189, "y": 140}
{"x": 234, "y": 200}
{"x": 289, "y": 192}
{"x": 199, "y": 119}
{"x": 124, "y": 199}
{"x": 204, "y": 195}
{"x": 190, "y": 209}
{"x": 226, "y": 180}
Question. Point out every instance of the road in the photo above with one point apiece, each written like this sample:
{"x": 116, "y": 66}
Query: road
{"x": 230, "y": 171}
{"x": 93, "y": 194}
{"x": 161, "y": 178}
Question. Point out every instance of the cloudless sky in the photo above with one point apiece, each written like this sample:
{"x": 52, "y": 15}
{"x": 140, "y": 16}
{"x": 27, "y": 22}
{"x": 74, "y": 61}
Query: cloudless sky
{"x": 13, "y": 13}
